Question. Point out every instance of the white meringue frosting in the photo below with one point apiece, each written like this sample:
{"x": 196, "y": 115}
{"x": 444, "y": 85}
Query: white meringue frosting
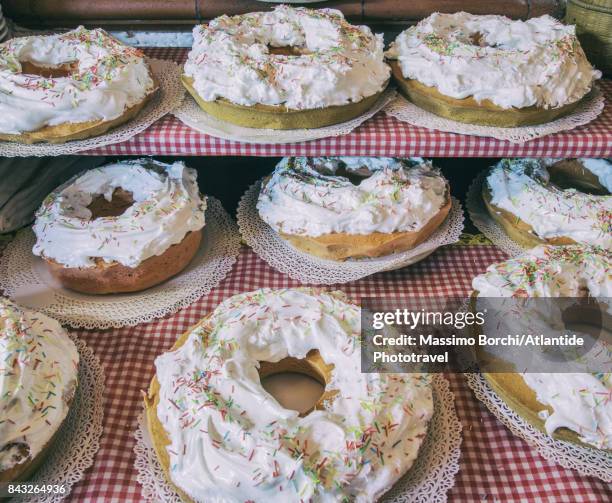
{"x": 307, "y": 196}
{"x": 230, "y": 440}
{"x": 550, "y": 271}
{"x": 510, "y": 63}
{"x": 339, "y": 63}
{"x": 521, "y": 186}
{"x": 110, "y": 77}
{"x": 580, "y": 400}
{"x": 38, "y": 377}
{"x": 579, "y": 403}
{"x": 167, "y": 205}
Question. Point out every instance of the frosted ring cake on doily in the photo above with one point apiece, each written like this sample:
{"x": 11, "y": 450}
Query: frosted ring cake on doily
{"x": 290, "y": 68}
{"x": 122, "y": 227}
{"x": 69, "y": 86}
{"x": 573, "y": 406}
{"x": 491, "y": 70}
{"x": 207, "y": 408}
{"x": 553, "y": 201}
{"x": 339, "y": 208}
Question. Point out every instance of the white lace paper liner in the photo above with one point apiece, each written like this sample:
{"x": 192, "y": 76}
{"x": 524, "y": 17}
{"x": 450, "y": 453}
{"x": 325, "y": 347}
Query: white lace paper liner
{"x": 427, "y": 481}
{"x": 167, "y": 98}
{"x": 193, "y": 116}
{"x": 310, "y": 269}
{"x": 405, "y": 111}
{"x": 78, "y": 440}
{"x": 588, "y": 462}
{"x": 25, "y": 279}
{"x": 484, "y": 222}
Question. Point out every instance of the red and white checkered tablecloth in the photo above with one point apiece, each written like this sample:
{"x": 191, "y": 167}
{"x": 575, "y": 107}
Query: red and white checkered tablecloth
{"x": 380, "y": 136}
{"x": 495, "y": 465}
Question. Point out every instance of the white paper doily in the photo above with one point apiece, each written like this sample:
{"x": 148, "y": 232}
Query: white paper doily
{"x": 310, "y": 269}
{"x": 405, "y": 111}
{"x": 587, "y": 462}
{"x": 196, "y": 118}
{"x": 78, "y": 440}
{"x": 484, "y": 222}
{"x": 427, "y": 481}
{"x": 167, "y": 98}
{"x": 25, "y": 279}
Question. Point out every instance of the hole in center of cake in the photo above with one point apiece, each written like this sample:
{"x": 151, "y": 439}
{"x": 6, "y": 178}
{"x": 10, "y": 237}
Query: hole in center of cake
{"x": 587, "y": 317}
{"x": 478, "y": 39}
{"x": 119, "y": 203}
{"x": 353, "y": 176}
{"x": 288, "y": 50}
{"x": 51, "y": 72}
{"x": 296, "y": 383}
{"x": 570, "y": 174}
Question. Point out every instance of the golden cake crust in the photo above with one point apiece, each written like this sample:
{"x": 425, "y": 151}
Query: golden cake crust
{"x": 469, "y": 111}
{"x": 106, "y": 278}
{"x": 340, "y": 246}
{"x": 280, "y": 117}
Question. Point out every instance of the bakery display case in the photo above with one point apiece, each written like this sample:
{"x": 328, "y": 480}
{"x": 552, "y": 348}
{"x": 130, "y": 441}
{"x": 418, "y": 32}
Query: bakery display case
{"x": 201, "y": 198}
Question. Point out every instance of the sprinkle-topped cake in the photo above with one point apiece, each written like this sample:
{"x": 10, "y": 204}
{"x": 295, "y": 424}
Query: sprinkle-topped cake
{"x": 224, "y": 437}
{"x": 492, "y": 70}
{"x": 576, "y": 401}
{"x": 521, "y": 194}
{"x": 69, "y": 86}
{"x": 38, "y": 379}
{"x": 269, "y": 69}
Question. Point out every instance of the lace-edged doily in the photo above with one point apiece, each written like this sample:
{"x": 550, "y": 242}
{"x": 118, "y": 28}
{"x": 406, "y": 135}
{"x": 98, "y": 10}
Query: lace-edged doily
{"x": 483, "y": 221}
{"x": 26, "y": 280}
{"x": 405, "y": 111}
{"x": 78, "y": 440}
{"x": 586, "y": 461}
{"x": 194, "y": 117}
{"x": 167, "y": 98}
{"x": 428, "y": 481}
{"x": 310, "y": 269}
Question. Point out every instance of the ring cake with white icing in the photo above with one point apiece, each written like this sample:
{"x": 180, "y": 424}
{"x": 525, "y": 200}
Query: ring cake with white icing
{"x": 122, "y": 227}
{"x": 540, "y": 201}
{"x": 38, "y": 381}
{"x": 220, "y": 436}
{"x": 354, "y": 207}
{"x": 571, "y": 406}
{"x": 71, "y": 86}
{"x": 290, "y": 68}
{"x": 491, "y": 70}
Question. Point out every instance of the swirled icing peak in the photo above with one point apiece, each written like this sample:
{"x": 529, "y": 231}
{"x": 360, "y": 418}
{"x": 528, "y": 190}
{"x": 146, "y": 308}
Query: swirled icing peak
{"x": 38, "y": 377}
{"x": 314, "y": 195}
{"x": 337, "y": 63}
{"x": 167, "y": 205}
{"x": 230, "y": 440}
{"x": 510, "y": 63}
{"x": 521, "y": 186}
{"x": 579, "y": 401}
{"x": 106, "y": 78}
